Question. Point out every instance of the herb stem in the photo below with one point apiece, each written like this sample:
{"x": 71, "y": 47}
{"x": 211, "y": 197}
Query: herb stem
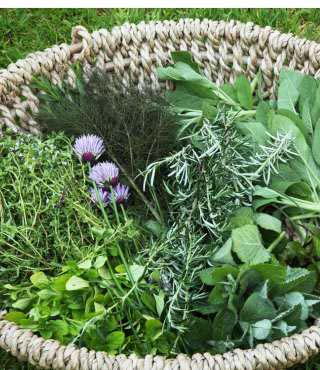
{"x": 276, "y": 241}
{"x": 137, "y": 190}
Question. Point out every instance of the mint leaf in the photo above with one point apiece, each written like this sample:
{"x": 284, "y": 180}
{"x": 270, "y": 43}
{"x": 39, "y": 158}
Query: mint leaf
{"x": 298, "y": 279}
{"x": 214, "y": 275}
{"x": 257, "y": 308}
{"x": 261, "y": 329}
{"x": 275, "y": 274}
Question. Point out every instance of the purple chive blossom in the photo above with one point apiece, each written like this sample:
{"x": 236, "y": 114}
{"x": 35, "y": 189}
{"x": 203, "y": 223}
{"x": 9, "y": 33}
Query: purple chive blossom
{"x": 88, "y": 147}
{"x": 98, "y": 195}
{"x": 104, "y": 174}
{"x": 120, "y": 194}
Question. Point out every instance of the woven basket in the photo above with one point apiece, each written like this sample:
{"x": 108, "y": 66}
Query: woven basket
{"x": 223, "y": 50}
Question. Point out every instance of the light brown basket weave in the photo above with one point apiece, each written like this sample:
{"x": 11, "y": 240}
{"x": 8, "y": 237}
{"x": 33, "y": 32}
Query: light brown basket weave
{"x": 223, "y": 50}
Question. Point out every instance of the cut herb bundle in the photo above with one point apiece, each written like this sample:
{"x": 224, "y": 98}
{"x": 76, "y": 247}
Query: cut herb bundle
{"x": 211, "y": 243}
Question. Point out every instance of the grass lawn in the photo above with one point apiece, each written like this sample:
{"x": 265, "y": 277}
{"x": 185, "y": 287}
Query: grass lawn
{"x": 25, "y": 30}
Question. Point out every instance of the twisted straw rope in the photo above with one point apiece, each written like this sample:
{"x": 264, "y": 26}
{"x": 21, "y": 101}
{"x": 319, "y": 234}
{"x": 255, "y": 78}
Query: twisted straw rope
{"x": 223, "y": 50}
{"x": 49, "y": 354}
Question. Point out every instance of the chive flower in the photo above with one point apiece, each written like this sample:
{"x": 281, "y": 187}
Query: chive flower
{"x": 105, "y": 174}
{"x": 88, "y": 147}
{"x": 120, "y": 193}
{"x": 99, "y": 196}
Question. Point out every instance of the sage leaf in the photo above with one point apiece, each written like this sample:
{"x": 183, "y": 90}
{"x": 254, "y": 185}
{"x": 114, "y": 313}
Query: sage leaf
{"x": 288, "y": 91}
{"x": 315, "y": 107}
{"x": 268, "y": 222}
{"x": 248, "y": 246}
{"x": 244, "y": 92}
{"x": 185, "y": 57}
{"x": 316, "y": 143}
{"x": 256, "y": 132}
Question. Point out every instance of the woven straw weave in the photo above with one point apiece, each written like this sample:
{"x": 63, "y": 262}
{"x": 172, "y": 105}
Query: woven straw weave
{"x": 223, "y": 50}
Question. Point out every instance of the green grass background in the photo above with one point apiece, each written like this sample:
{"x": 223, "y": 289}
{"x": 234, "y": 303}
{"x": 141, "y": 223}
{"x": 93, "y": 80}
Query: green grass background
{"x": 26, "y": 30}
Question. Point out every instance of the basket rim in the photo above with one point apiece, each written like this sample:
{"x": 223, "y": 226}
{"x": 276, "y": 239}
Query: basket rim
{"x": 25, "y": 345}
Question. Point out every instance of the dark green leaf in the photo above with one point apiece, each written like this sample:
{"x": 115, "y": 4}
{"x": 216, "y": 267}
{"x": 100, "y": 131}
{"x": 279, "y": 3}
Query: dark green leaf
{"x": 223, "y": 324}
{"x": 257, "y": 308}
